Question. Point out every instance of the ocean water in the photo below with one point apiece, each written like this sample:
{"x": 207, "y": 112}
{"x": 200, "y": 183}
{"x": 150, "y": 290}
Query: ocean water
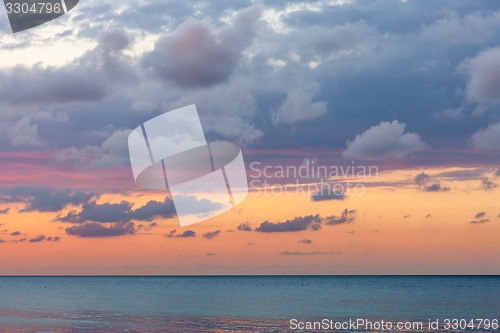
{"x": 238, "y": 303}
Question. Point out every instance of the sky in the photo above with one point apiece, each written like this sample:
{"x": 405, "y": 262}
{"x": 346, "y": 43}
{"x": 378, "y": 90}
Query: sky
{"x": 390, "y": 108}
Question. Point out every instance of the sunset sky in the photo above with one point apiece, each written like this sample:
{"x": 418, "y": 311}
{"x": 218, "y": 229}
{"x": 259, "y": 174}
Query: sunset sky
{"x": 409, "y": 90}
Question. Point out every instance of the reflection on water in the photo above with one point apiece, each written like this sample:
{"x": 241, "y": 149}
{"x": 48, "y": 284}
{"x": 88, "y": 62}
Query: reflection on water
{"x": 100, "y": 322}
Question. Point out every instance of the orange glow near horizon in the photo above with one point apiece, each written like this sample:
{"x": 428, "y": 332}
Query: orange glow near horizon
{"x": 399, "y": 229}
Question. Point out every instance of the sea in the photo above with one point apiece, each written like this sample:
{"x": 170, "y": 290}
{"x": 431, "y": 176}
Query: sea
{"x": 151, "y": 304}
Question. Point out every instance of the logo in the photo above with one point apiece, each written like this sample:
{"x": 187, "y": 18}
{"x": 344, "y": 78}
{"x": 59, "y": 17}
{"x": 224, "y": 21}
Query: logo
{"x": 26, "y": 14}
{"x": 170, "y": 152}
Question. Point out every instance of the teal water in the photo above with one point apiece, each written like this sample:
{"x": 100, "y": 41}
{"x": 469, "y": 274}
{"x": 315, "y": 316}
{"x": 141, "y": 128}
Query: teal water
{"x": 252, "y": 303}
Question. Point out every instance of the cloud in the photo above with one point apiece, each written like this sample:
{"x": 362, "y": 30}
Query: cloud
{"x": 473, "y": 28}
{"x": 480, "y": 215}
{"x": 120, "y": 212}
{"x": 111, "y": 153}
{"x": 106, "y": 212}
{"x": 435, "y": 187}
{"x": 44, "y": 199}
{"x": 488, "y": 138}
{"x": 305, "y": 241}
{"x": 314, "y": 253}
{"x": 327, "y": 193}
{"x": 51, "y": 85}
{"x": 38, "y": 239}
{"x": 210, "y": 254}
{"x": 4, "y": 211}
{"x": 187, "y": 234}
{"x": 347, "y": 216}
{"x": 152, "y": 209}
{"x": 487, "y": 184}
{"x": 211, "y": 234}
{"x": 310, "y": 222}
{"x": 481, "y": 221}
{"x": 196, "y": 54}
{"x": 24, "y": 133}
{"x": 245, "y": 227}
{"x": 96, "y": 230}
{"x": 300, "y": 106}
{"x": 297, "y": 224}
{"x": 483, "y": 72}
{"x": 422, "y": 178}
{"x": 15, "y": 233}
{"x": 43, "y": 238}
{"x": 385, "y": 141}
{"x": 428, "y": 184}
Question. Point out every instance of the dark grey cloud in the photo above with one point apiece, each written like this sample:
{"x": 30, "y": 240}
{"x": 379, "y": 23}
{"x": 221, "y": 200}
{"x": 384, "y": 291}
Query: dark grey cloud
{"x": 2, "y": 241}
{"x": 211, "y": 234}
{"x": 305, "y": 241}
{"x": 5, "y": 210}
{"x": 96, "y": 230}
{"x": 310, "y": 222}
{"x": 210, "y": 254}
{"x": 428, "y": 184}
{"x": 328, "y": 193}
{"x": 50, "y": 85}
{"x": 435, "y": 187}
{"x": 120, "y": 212}
{"x": 153, "y": 209}
{"x": 422, "y": 178}
{"x": 187, "y": 234}
{"x": 245, "y": 227}
{"x": 42, "y": 238}
{"x": 347, "y": 216}
{"x": 481, "y": 221}
{"x": 38, "y": 239}
{"x": 487, "y": 184}
{"x": 106, "y": 212}
{"x": 15, "y": 233}
{"x": 480, "y": 215}
{"x": 297, "y": 224}
{"x": 313, "y": 253}
{"x": 196, "y": 54}
{"x": 43, "y": 199}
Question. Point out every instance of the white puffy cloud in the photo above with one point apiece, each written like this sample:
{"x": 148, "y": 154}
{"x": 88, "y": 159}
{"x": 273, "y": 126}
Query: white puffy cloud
{"x": 113, "y": 152}
{"x": 386, "y": 140}
{"x": 488, "y": 138}
{"x": 299, "y": 105}
{"x": 24, "y": 133}
{"x": 484, "y": 76}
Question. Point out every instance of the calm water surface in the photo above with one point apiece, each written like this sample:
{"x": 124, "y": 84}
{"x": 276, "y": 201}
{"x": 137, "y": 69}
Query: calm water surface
{"x": 234, "y": 303}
